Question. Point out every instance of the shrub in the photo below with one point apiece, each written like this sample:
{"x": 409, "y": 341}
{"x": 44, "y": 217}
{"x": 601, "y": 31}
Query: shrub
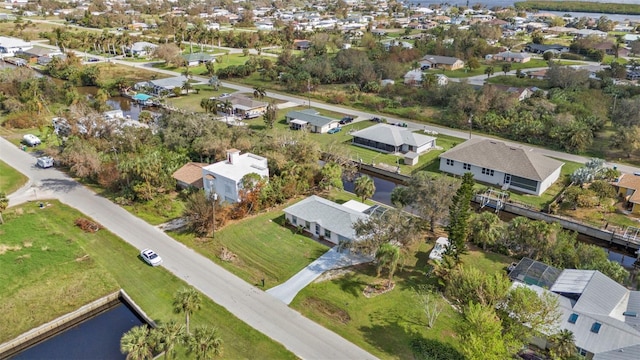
{"x": 428, "y": 349}
{"x": 570, "y": 56}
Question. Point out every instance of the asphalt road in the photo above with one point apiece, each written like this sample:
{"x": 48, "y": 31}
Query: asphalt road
{"x": 260, "y": 310}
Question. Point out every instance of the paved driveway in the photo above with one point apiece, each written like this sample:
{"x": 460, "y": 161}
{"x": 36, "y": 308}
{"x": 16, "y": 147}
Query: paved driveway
{"x": 260, "y": 310}
{"x": 332, "y": 259}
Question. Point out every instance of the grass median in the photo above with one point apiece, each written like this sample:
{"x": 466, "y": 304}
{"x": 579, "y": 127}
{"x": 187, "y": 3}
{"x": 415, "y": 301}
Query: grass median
{"x": 51, "y": 267}
{"x": 10, "y": 178}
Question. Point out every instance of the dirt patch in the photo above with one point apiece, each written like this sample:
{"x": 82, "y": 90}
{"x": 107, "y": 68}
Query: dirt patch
{"x": 379, "y": 288}
{"x": 330, "y": 310}
{"x": 227, "y": 255}
{"x": 4, "y": 248}
{"x": 333, "y": 274}
{"x": 87, "y": 225}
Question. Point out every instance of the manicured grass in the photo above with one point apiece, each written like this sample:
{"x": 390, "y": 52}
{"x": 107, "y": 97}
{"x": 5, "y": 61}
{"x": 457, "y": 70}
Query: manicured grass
{"x": 60, "y": 268}
{"x": 191, "y": 102}
{"x": 10, "y": 179}
{"x": 497, "y": 68}
{"x": 385, "y": 324}
{"x": 263, "y": 247}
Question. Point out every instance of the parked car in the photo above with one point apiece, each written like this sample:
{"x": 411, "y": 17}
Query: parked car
{"x": 438, "y": 250}
{"x": 401, "y": 124}
{"x": 346, "y": 120}
{"x": 150, "y": 257}
{"x": 376, "y": 119}
{"x": 334, "y": 130}
{"x": 45, "y": 162}
{"x": 31, "y": 140}
{"x": 93, "y": 59}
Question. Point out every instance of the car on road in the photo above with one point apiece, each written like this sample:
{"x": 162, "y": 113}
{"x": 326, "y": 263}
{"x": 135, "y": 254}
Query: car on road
{"x": 401, "y": 124}
{"x": 346, "y": 120}
{"x": 150, "y": 257}
{"x": 376, "y": 119}
{"x": 31, "y": 140}
{"x": 45, "y": 162}
{"x": 334, "y": 130}
{"x": 93, "y": 59}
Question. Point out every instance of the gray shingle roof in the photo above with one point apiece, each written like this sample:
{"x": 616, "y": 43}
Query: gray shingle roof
{"x": 177, "y": 81}
{"x": 311, "y": 116}
{"x": 393, "y": 135}
{"x": 499, "y": 156}
{"x": 331, "y": 216}
{"x": 436, "y": 59}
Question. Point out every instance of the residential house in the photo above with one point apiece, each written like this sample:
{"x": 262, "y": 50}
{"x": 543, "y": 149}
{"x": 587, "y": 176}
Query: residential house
{"x": 516, "y": 92}
{"x": 510, "y": 56}
{"x": 538, "y": 74}
{"x": 224, "y": 178}
{"x": 583, "y": 33}
{"x": 246, "y": 107}
{"x": 601, "y": 314}
{"x": 10, "y": 46}
{"x": 496, "y": 163}
{"x": 629, "y": 38}
{"x": 609, "y": 48}
{"x": 312, "y": 120}
{"x": 301, "y": 44}
{"x": 627, "y": 186}
{"x": 392, "y": 139}
{"x": 32, "y": 55}
{"x": 328, "y": 220}
{"x": 440, "y": 62}
{"x": 189, "y": 176}
{"x": 195, "y": 59}
{"x": 141, "y": 48}
{"x": 413, "y": 77}
{"x": 160, "y": 87}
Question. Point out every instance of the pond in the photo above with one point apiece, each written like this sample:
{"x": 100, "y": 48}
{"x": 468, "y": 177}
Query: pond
{"x": 128, "y": 107}
{"x": 96, "y": 338}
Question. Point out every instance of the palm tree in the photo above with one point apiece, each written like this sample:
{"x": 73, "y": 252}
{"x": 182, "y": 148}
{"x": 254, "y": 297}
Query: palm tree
{"x": 563, "y": 345}
{"x": 227, "y": 107}
{"x": 186, "y": 86}
{"x": 167, "y": 336}
{"x": 387, "y": 256}
{"x": 136, "y": 343}
{"x": 4, "y": 203}
{"x": 209, "y": 105}
{"x": 364, "y": 187}
{"x": 485, "y": 229}
{"x": 205, "y": 343}
{"x": 259, "y": 92}
{"x": 186, "y": 300}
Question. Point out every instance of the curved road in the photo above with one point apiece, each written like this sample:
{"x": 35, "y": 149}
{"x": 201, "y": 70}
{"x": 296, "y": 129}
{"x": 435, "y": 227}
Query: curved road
{"x": 260, "y": 310}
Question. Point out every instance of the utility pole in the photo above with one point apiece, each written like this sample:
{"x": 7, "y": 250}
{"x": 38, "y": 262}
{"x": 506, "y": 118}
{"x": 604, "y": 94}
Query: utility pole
{"x": 309, "y": 91}
{"x": 470, "y": 125}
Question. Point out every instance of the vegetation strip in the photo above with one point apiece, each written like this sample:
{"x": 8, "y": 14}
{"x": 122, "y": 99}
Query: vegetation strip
{"x": 579, "y": 6}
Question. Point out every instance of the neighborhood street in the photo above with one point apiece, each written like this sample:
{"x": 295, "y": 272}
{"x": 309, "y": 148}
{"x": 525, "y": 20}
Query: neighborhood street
{"x": 271, "y": 316}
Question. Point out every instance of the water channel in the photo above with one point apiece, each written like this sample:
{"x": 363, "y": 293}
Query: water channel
{"x": 97, "y": 338}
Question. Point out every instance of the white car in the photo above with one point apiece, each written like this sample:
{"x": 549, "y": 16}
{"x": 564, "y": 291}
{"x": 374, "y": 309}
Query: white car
{"x": 441, "y": 246}
{"x": 150, "y": 257}
{"x": 45, "y": 162}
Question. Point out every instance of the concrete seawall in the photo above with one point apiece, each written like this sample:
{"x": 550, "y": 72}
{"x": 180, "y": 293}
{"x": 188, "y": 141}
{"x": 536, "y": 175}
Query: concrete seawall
{"x": 64, "y": 322}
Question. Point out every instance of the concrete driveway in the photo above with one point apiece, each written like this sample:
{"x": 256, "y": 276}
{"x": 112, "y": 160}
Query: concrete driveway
{"x": 272, "y": 317}
{"x": 331, "y": 260}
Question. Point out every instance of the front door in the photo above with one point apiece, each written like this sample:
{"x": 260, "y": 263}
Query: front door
{"x": 507, "y": 178}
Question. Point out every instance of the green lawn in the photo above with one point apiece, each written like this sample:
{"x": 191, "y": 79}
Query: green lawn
{"x": 157, "y": 211}
{"x": 10, "y": 179}
{"x": 50, "y": 267}
{"x": 263, "y": 247}
{"x": 191, "y": 102}
{"x": 497, "y": 68}
{"x": 385, "y": 324}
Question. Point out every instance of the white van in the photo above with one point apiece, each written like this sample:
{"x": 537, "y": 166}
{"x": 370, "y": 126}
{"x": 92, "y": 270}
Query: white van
{"x": 31, "y": 140}
{"x": 45, "y": 162}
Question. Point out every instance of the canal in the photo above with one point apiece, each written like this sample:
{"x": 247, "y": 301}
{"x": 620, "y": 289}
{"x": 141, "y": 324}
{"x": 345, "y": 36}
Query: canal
{"x": 97, "y": 338}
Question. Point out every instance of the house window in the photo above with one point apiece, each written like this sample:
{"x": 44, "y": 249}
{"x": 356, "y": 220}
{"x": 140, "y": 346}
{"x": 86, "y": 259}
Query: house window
{"x": 573, "y": 318}
{"x": 466, "y": 166}
{"x": 486, "y": 171}
{"x": 595, "y": 328}
{"x": 450, "y": 162}
{"x": 307, "y": 225}
{"x": 327, "y": 234}
{"x": 294, "y": 220}
{"x": 582, "y": 352}
{"x": 317, "y": 229}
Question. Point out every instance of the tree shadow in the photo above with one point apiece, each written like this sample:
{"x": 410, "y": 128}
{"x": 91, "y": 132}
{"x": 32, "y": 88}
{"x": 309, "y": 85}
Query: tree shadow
{"x": 378, "y": 333}
{"x": 351, "y": 284}
{"x": 59, "y": 185}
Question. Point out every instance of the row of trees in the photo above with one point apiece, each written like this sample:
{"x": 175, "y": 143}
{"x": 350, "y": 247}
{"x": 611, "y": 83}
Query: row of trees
{"x": 141, "y": 343}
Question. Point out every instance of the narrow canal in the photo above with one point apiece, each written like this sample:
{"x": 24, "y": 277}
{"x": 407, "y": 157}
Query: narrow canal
{"x": 97, "y": 338}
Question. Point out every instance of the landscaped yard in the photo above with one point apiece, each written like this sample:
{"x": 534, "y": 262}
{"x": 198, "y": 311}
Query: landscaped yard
{"x": 339, "y": 304}
{"x": 10, "y": 179}
{"x": 259, "y": 247}
{"x": 50, "y": 267}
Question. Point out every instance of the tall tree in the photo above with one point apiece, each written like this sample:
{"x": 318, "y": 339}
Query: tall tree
{"x": 167, "y": 335}
{"x": 486, "y": 229}
{"x": 563, "y": 345}
{"x": 364, "y": 187}
{"x": 137, "y": 343}
{"x": 489, "y": 71}
{"x": 187, "y": 301}
{"x": 387, "y": 256}
{"x": 459, "y": 213}
{"x": 481, "y": 334}
{"x": 270, "y": 115}
{"x": 430, "y": 196}
{"x": 205, "y": 343}
{"x": 4, "y": 203}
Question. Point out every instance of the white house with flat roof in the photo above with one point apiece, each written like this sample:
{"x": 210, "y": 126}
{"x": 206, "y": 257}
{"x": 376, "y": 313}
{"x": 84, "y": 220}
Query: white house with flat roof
{"x": 9, "y": 46}
{"x": 327, "y": 219}
{"x": 225, "y": 177}
{"x": 494, "y": 162}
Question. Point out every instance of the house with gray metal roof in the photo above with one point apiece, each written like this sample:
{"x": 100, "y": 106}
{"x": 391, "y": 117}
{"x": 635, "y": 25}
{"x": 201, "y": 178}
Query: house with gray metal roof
{"x": 325, "y": 219}
{"x": 497, "y": 163}
{"x": 601, "y": 314}
{"x": 440, "y": 62}
{"x": 393, "y": 139}
{"x": 194, "y": 59}
{"x": 312, "y": 120}
{"x": 160, "y": 87}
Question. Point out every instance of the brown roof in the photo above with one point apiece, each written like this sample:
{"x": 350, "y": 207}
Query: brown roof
{"x": 190, "y": 173}
{"x": 632, "y": 182}
{"x": 514, "y": 160}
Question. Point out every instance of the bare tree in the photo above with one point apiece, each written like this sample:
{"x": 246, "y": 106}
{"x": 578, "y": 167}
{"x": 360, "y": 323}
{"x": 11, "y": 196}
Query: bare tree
{"x": 430, "y": 303}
